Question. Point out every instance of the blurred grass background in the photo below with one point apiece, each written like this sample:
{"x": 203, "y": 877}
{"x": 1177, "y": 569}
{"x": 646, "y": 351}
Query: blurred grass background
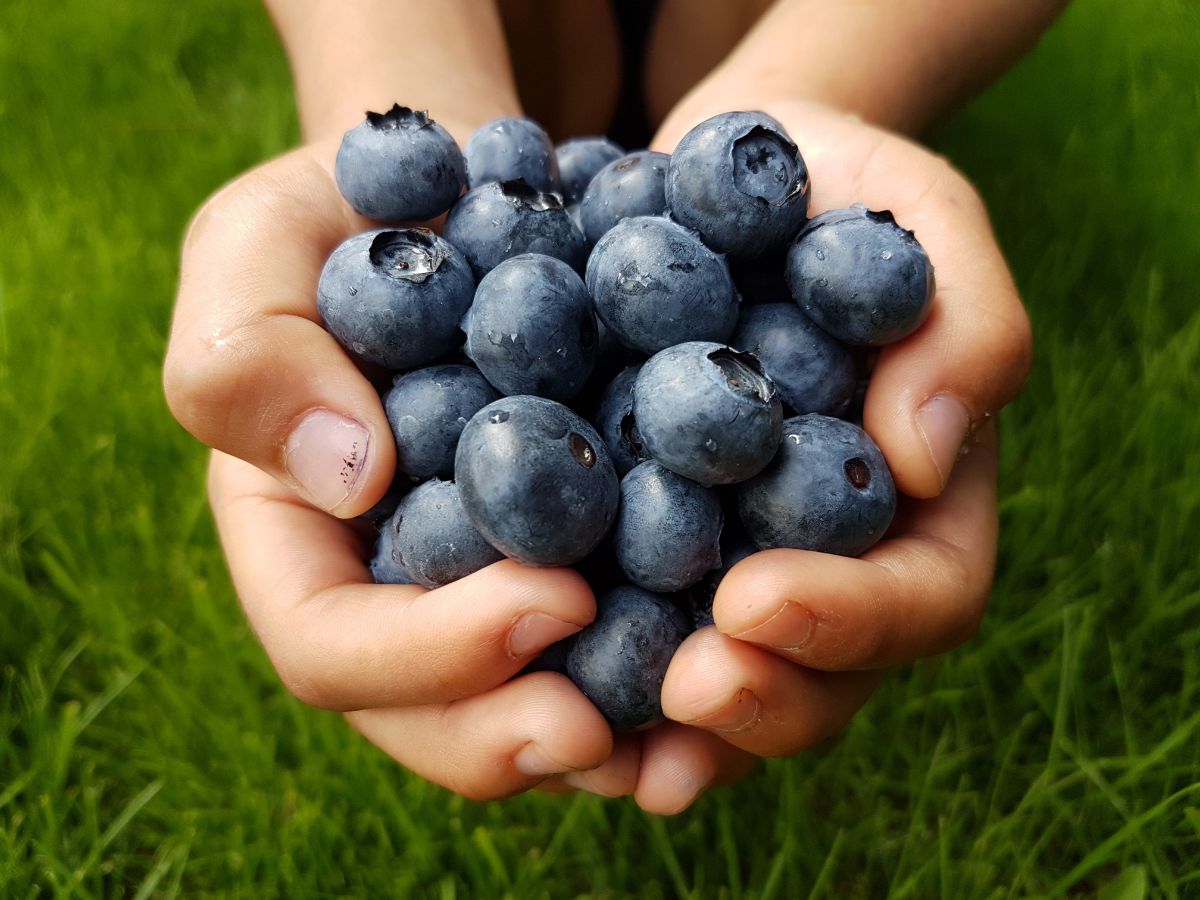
{"x": 147, "y": 749}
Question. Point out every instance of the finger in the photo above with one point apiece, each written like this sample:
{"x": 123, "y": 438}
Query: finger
{"x": 755, "y": 700}
{"x": 495, "y": 744}
{"x": 917, "y": 594}
{"x": 340, "y": 642}
{"x": 681, "y": 763}
{"x": 249, "y": 370}
{"x": 617, "y": 776}
{"x": 930, "y": 391}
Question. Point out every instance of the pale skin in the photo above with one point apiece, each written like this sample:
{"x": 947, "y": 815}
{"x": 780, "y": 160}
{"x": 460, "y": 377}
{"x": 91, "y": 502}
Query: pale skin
{"x": 801, "y": 639}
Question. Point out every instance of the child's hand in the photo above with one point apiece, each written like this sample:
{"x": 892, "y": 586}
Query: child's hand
{"x": 801, "y": 637}
{"x": 251, "y": 372}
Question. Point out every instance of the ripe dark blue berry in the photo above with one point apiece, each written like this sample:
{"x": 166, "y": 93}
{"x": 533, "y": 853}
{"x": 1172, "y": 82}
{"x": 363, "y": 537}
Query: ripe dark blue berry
{"x": 828, "y": 489}
{"x": 536, "y": 480}
{"x": 395, "y": 297}
{"x": 616, "y": 425}
{"x": 427, "y": 410}
{"x": 433, "y": 540}
{"x": 399, "y": 166}
{"x": 620, "y": 660}
{"x": 814, "y": 371}
{"x": 500, "y": 220}
{"x": 739, "y": 181}
{"x": 860, "y": 276}
{"x": 634, "y": 185}
{"x": 531, "y": 329}
{"x": 707, "y": 412}
{"x": 668, "y": 532}
{"x": 579, "y": 159}
{"x": 512, "y": 148}
{"x": 656, "y": 285}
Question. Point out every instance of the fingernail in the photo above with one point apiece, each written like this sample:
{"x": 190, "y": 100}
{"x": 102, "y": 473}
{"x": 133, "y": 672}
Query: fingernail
{"x": 944, "y": 423}
{"x": 791, "y": 628}
{"x": 740, "y": 713}
{"x": 536, "y": 631}
{"x": 533, "y": 762}
{"x": 325, "y": 453}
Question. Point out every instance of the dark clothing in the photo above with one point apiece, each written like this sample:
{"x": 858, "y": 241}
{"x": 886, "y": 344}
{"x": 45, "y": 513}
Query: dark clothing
{"x": 630, "y": 126}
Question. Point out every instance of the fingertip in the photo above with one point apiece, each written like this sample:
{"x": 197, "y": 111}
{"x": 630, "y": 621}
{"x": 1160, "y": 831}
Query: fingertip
{"x": 617, "y": 776}
{"x": 563, "y": 723}
{"x": 679, "y": 764}
{"x": 561, "y": 592}
{"x": 696, "y": 672}
{"x": 758, "y": 585}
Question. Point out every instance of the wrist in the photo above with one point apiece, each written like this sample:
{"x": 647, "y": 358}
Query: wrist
{"x": 350, "y": 58}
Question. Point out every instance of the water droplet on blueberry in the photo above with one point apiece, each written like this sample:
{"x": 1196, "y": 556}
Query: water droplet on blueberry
{"x": 498, "y": 417}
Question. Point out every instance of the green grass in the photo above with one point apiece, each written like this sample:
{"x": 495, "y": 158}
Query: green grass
{"x": 147, "y": 749}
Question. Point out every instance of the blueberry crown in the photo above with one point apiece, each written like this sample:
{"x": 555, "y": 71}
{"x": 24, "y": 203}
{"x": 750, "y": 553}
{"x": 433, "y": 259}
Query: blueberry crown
{"x": 399, "y": 117}
{"x": 519, "y": 193}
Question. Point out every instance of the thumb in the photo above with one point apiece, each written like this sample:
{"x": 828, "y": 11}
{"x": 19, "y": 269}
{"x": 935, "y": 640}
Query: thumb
{"x": 250, "y": 370}
{"x": 930, "y": 392}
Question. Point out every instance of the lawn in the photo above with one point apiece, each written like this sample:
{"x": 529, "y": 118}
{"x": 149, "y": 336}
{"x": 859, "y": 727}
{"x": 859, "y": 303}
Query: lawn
{"x": 147, "y": 749}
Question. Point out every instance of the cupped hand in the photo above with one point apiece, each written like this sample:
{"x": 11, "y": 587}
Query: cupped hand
{"x": 801, "y": 638}
{"x": 301, "y": 445}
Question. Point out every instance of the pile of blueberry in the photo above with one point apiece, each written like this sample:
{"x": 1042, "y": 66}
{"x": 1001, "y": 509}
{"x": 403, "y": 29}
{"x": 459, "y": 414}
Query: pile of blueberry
{"x": 641, "y": 365}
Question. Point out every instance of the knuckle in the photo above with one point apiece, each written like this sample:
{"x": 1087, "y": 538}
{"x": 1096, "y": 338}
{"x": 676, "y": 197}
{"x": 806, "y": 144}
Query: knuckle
{"x": 307, "y": 686}
{"x": 968, "y": 619}
{"x": 202, "y": 380}
{"x": 1020, "y": 344}
{"x": 481, "y": 791}
{"x": 1011, "y": 348}
{"x": 955, "y": 187}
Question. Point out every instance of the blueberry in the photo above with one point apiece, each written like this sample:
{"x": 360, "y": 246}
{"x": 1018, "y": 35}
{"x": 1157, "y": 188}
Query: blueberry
{"x": 579, "y": 160}
{"x": 620, "y": 660}
{"x": 399, "y": 166}
{"x": 432, "y": 538}
{"x": 707, "y": 412}
{"x": 634, "y": 185}
{"x": 813, "y": 371}
{"x": 656, "y": 285}
{"x": 395, "y": 297}
{"x": 512, "y": 148}
{"x": 531, "y": 329}
{"x": 536, "y": 480}
{"x": 383, "y": 564}
{"x": 739, "y": 181}
{"x": 383, "y": 509}
{"x": 503, "y": 219}
{"x": 553, "y": 658}
{"x": 860, "y": 276}
{"x": 828, "y": 489}
{"x": 668, "y": 532}
{"x": 427, "y": 410}
{"x": 615, "y": 423}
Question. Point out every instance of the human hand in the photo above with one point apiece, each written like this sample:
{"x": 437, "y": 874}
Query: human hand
{"x": 302, "y": 444}
{"x": 801, "y": 638}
